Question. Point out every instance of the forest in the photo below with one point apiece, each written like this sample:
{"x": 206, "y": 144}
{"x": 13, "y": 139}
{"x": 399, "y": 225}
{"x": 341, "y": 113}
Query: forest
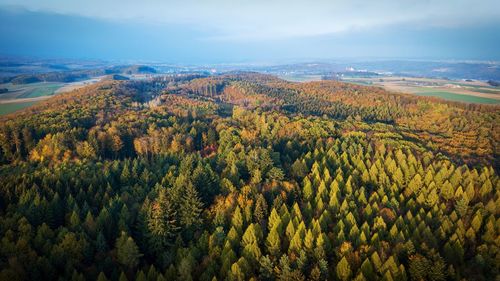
{"x": 244, "y": 176}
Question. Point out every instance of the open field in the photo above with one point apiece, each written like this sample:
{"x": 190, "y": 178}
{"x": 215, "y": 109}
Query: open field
{"x": 29, "y": 90}
{"x": 7, "y": 108}
{"x": 456, "y": 97}
{"x": 300, "y": 77}
{"x": 24, "y": 95}
{"x": 21, "y": 96}
{"x": 464, "y": 91}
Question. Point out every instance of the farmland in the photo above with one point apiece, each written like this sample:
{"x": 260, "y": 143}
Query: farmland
{"x": 24, "y": 95}
{"x": 469, "y": 91}
{"x": 12, "y": 107}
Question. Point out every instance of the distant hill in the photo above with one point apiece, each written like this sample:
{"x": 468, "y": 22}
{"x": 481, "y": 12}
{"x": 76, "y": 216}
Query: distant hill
{"x": 76, "y": 75}
{"x": 116, "y": 77}
{"x": 139, "y": 69}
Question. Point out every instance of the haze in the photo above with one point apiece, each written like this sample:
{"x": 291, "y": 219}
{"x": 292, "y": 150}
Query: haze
{"x": 237, "y": 31}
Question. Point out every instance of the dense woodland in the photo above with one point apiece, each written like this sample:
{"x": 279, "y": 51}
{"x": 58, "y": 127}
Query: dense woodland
{"x": 248, "y": 177}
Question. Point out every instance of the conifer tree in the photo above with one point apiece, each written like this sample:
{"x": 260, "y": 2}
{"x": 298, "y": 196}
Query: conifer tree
{"x": 127, "y": 251}
{"x": 273, "y": 242}
{"x": 343, "y": 269}
{"x": 162, "y": 223}
{"x": 190, "y": 207}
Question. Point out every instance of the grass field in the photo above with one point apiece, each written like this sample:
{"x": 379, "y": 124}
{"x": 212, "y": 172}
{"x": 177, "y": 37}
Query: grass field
{"x": 12, "y": 107}
{"x": 454, "y": 97}
{"x": 21, "y": 96}
{"x": 45, "y": 90}
{"x": 462, "y": 91}
{"x": 30, "y": 90}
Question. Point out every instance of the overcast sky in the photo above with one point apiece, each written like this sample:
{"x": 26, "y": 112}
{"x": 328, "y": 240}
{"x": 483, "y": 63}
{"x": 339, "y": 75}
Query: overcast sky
{"x": 250, "y": 30}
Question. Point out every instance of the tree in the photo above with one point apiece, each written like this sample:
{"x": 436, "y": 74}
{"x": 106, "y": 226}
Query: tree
{"x": 260, "y": 211}
{"x": 367, "y": 269}
{"x": 250, "y": 244}
{"x": 190, "y": 208}
{"x": 462, "y": 205}
{"x": 266, "y": 269}
{"x": 102, "y": 277}
{"x": 476, "y": 222}
{"x": 273, "y": 242}
{"x": 127, "y": 251}
{"x": 237, "y": 220}
{"x": 437, "y": 271}
{"x": 162, "y": 223}
{"x": 299, "y": 169}
{"x": 343, "y": 269}
{"x": 122, "y": 277}
{"x": 419, "y": 267}
{"x": 308, "y": 189}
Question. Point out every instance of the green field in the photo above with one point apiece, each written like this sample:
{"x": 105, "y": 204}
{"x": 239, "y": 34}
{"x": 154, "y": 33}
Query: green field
{"x": 12, "y": 107}
{"x": 487, "y": 91}
{"x": 454, "y": 97}
{"x": 26, "y": 92}
{"x": 433, "y": 92}
{"x": 42, "y": 90}
{"x": 31, "y": 90}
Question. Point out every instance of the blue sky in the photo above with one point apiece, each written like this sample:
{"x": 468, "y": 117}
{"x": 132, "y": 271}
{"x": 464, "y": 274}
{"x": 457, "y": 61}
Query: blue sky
{"x": 191, "y": 31}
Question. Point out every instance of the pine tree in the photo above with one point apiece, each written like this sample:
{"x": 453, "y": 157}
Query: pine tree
{"x": 367, "y": 269}
{"x": 122, "y": 277}
{"x": 237, "y": 219}
{"x": 102, "y": 277}
{"x": 266, "y": 270}
{"x": 419, "y": 267}
{"x": 162, "y": 223}
{"x": 343, "y": 270}
{"x": 274, "y": 220}
{"x": 273, "y": 242}
{"x": 250, "y": 236}
{"x": 127, "y": 251}
{"x": 308, "y": 189}
{"x": 437, "y": 271}
{"x": 191, "y": 207}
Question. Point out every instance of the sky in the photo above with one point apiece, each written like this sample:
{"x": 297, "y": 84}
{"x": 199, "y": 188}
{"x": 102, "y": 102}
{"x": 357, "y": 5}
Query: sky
{"x": 217, "y": 31}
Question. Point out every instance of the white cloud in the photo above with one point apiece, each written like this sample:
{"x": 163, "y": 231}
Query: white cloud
{"x": 276, "y": 19}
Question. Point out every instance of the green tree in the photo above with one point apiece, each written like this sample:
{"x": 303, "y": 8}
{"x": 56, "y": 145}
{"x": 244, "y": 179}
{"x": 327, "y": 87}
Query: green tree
{"x": 190, "y": 208}
{"x": 162, "y": 223}
{"x": 419, "y": 267}
{"x": 299, "y": 169}
{"x": 127, "y": 251}
{"x": 273, "y": 242}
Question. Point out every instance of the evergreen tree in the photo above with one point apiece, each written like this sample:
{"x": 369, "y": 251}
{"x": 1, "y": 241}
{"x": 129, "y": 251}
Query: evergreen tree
{"x": 343, "y": 270}
{"x": 190, "y": 207}
{"x": 162, "y": 223}
{"x": 273, "y": 242}
{"x": 127, "y": 251}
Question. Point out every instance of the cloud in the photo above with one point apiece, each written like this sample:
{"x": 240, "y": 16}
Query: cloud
{"x": 242, "y": 20}
{"x": 46, "y": 34}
